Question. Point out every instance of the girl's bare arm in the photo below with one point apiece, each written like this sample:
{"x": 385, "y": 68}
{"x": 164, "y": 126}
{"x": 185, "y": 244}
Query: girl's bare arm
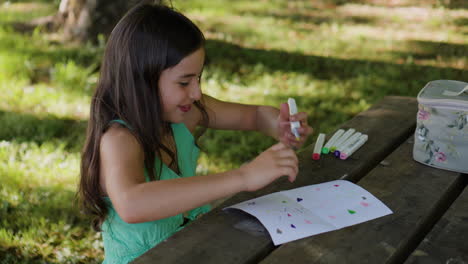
{"x": 122, "y": 179}
{"x": 268, "y": 120}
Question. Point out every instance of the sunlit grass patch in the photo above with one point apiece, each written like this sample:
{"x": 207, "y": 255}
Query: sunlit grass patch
{"x": 13, "y": 68}
{"x": 24, "y": 12}
{"x": 348, "y": 31}
{"x": 42, "y": 98}
{"x": 37, "y": 77}
{"x": 30, "y": 164}
{"x": 71, "y": 76}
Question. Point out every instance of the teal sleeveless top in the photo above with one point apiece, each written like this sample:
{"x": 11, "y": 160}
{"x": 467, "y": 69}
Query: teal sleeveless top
{"x": 123, "y": 242}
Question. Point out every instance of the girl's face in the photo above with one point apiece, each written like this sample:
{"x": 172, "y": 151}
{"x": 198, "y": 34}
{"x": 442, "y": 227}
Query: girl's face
{"x": 180, "y": 86}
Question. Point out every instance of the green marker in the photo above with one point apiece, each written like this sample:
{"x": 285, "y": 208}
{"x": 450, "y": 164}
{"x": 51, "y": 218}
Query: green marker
{"x": 342, "y": 139}
{"x": 326, "y": 148}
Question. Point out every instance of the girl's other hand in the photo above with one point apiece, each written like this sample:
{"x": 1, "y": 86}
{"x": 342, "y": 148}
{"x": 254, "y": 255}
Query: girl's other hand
{"x": 277, "y": 161}
{"x": 284, "y": 127}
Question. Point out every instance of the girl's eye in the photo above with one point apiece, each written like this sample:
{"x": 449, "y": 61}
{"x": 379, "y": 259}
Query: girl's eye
{"x": 183, "y": 83}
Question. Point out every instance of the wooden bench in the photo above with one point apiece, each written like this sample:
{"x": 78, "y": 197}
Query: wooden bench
{"x": 446, "y": 241}
{"x": 419, "y": 195}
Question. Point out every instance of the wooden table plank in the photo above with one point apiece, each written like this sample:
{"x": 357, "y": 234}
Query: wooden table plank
{"x": 220, "y": 237}
{"x": 446, "y": 243}
{"x": 416, "y": 193}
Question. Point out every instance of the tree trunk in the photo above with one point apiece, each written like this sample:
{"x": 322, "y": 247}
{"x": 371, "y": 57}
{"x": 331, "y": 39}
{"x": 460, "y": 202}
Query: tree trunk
{"x": 83, "y": 20}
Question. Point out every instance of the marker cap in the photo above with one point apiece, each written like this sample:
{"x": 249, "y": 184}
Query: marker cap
{"x": 292, "y": 106}
{"x": 315, "y": 156}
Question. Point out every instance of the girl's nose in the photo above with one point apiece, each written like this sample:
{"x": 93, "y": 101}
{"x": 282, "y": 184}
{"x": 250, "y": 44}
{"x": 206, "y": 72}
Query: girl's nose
{"x": 195, "y": 92}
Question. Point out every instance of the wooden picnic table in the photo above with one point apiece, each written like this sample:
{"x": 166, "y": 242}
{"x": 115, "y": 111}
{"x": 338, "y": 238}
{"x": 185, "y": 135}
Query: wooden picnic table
{"x": 428, "y": 224}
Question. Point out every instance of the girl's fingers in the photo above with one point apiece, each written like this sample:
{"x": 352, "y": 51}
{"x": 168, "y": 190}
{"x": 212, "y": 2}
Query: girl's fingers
{"x": 304, "y": 130}
{"x": 294, "y": 143}
{"x": 309, "y": 130}
{"x": 285, "y": 124}
{"x": 301, "y": 117}
{"x": 284, "y": 127}
{"x": 287, "y": 154}
{"x": 290, "y": 172}
{"x": 288, "y": 163}
{"x": 284, "y": 112}
{"x": 290, "y": 139}
{"x": 293, "y": 138}
{"x": 278, "y": 146}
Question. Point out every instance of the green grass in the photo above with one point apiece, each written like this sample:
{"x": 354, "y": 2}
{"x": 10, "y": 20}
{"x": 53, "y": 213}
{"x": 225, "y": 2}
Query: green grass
{"x": 335, "y": 59}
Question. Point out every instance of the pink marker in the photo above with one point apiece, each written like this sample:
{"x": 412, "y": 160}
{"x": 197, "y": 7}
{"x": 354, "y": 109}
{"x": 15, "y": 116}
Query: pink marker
{"x": 350, "y": 149}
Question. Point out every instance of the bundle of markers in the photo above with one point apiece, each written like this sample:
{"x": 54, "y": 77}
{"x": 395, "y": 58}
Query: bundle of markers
{"x": 342, "y": 144}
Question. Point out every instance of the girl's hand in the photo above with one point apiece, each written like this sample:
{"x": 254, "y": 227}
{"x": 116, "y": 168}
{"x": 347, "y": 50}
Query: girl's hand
{"x": 284, "y": 127}
{"x": 277, "y": 161}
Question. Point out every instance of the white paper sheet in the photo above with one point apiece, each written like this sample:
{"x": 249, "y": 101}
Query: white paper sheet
{"x": 314, "y": 209}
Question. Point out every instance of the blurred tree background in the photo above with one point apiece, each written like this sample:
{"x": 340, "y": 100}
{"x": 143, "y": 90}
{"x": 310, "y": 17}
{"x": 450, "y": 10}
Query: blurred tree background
{"x": 336, "y": 58}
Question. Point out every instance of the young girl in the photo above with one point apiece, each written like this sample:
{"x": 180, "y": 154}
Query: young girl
{"x": 140, "y": 155}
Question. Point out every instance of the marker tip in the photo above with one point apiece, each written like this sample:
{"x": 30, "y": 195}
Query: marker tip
{"x": 315, "y": 156}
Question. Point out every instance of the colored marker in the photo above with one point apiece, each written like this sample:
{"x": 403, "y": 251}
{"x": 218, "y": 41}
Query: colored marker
{"x": 342, "y": 139}
{"x": 353, "y": 147}
{"x": 318, "y": 146}
{"x": 350, "y": 140}
{"x": 292, "y": 111}
{"x": 332, "y": 140}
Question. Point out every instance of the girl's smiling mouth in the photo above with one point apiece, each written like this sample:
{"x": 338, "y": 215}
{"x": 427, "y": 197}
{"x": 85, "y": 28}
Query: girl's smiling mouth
{"x": 185, "y": 108}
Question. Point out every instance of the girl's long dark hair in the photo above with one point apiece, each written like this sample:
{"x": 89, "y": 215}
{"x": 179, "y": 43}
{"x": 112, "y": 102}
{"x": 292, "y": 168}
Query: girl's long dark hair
{"x": 146, "y": 41}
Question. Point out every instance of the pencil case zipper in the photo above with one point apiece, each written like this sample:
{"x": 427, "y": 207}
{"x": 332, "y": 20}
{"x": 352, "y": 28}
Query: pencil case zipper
{"x": 444, "y": 103}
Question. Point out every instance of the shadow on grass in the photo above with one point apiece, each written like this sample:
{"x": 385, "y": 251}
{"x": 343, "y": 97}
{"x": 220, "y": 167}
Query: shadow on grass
{"x": 379, "y": 79}
{"x": 52, "y": 50}
{"x": 293, "y": 16}
{"x": 54, "y": 205}
{"x": 22, "y": 127}
{"x": 42, "y": 222}
{"x": 433, "y": 50}
{"x": 231, "y": 57}
{"x": 238, "y": 146}
{"x": 53, "y": 217}
{"x": 384, "y": 79}
{"x": 451, "y": 4}
{"x": 462, "y": 21}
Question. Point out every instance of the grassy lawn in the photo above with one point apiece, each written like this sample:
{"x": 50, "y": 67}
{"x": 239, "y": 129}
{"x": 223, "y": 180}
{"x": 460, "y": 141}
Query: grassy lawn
{"x": 336, "y": 60}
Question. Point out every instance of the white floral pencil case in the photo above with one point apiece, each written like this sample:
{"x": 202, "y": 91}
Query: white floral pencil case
{"x": 441, "y": 136}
